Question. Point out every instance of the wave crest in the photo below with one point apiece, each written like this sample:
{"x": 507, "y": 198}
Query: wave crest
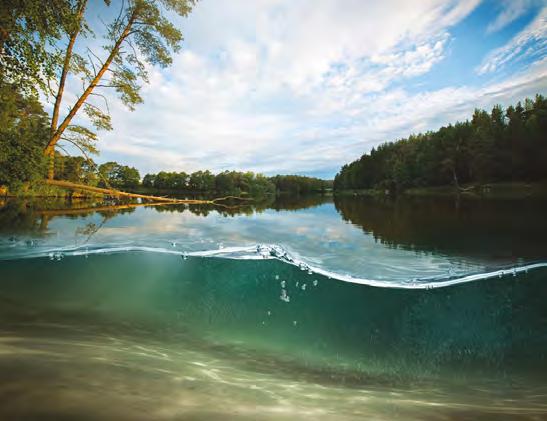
{"x": 269, "y": 251}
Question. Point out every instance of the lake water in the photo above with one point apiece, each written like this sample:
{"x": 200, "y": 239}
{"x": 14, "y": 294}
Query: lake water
{"x": 304, "y": 308}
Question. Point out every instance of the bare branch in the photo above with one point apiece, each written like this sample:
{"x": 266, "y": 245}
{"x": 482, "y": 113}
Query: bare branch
{"x": 92, "y": 65}
{"x": 105, "y": 100}
{"x": 109, "y": 86}
{"x": 63, "y": 149}
{"x": 95, "y": 55}
{"x": 132, "y": 47}
{"x": 122, "y": 7}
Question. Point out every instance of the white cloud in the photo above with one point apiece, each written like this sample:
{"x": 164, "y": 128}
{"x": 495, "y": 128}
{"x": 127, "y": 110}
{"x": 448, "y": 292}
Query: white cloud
{"x": 530, "y": 43}
{"x": 280, "y": 86}
{"x": 510, "y": 11}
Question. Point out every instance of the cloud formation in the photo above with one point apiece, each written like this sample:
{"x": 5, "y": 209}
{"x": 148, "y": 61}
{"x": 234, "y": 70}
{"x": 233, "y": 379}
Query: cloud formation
{"x": 511, "y": 10}
{"x": 278, "y": 86}
{"x": 530, "y": 43}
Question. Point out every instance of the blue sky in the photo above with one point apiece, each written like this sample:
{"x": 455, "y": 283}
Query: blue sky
{"x": 284, "y": 86}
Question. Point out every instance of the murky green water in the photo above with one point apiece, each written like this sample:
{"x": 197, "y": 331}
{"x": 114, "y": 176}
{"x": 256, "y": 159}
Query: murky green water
{"x": 299, "y": 309}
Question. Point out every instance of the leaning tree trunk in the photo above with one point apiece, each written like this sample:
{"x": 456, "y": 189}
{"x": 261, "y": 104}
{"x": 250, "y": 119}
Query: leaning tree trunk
{"x": 50, "y": 151}
{"x": 50, "y": 148}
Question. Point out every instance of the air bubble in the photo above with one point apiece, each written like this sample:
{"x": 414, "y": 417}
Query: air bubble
{"x": 303, "y": 287}
{"x": 55, "y": 256}
{"x": 284, "y": 296}
{"x": 315, "y": 282}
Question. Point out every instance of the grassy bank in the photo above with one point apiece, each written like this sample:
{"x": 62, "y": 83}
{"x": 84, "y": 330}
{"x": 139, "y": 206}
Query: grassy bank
{"x": 42, "y": 190}
{"x": 514, "y": 191}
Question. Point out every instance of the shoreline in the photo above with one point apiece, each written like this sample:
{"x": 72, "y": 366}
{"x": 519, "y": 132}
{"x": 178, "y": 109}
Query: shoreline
{"x": 502, "y": 190}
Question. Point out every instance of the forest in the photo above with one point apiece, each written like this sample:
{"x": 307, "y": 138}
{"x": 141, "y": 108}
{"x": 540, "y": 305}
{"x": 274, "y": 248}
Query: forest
{"x": 234, "y": 182}
{"x": 112, "y": 174}
{"x": 498, "y": 146}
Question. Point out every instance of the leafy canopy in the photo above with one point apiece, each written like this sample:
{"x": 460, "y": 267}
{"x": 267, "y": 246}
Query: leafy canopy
{"x": 24, "y": 129}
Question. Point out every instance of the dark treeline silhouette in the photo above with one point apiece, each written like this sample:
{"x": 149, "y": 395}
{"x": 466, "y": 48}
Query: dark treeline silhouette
{"x": 503, "y": 145}
{"x": 298, "y": 184}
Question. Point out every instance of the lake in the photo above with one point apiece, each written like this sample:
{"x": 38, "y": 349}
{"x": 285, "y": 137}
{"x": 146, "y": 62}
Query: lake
{"x": 300, "y": 308}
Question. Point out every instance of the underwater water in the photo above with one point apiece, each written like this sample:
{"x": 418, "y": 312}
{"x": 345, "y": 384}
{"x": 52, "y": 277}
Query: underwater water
{"x": 319, "y": 308}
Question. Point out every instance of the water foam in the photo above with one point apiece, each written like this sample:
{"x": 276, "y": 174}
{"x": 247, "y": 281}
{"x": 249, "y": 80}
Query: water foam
{"x": 264, "y": 251}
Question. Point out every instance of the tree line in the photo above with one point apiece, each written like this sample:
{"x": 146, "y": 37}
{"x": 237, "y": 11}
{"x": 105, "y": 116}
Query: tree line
{"x": 112, "y": 174}
{"x": 234, "y": 182}
{"x": 497, "y": 146}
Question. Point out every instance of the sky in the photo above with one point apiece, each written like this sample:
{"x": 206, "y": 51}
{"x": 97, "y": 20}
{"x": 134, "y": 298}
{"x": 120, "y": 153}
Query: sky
{"x": 303, "y": 87}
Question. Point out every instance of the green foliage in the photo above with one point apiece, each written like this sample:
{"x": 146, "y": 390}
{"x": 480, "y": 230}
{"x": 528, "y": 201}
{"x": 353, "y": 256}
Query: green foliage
{"x": 29, "y": 30}
{"x": 297, "y": 184}
{"x": 202, "y": 181}
{"x": 118, "y": 176}
{"x": 492, "y": 147}
{"x": 235, "y": 183}
{"x": 24, "y": 130}
{"x": 76, "y": 169}
{"x": 227, "y": 182}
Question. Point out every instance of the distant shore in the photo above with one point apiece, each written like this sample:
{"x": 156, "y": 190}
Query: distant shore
{"x": 512, "y": 190}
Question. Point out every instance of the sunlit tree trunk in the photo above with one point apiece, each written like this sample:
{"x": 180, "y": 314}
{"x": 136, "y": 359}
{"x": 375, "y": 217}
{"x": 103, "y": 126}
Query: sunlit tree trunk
{"x": 82, "y": 99}
{"x": 50, "y": 151}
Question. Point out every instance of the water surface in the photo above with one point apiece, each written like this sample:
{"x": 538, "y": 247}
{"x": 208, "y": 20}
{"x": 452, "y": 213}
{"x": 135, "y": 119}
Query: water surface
{"x": 310, "y": 308}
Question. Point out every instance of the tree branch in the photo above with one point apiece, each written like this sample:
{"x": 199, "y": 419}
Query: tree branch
{"x": 66, "y": 66}
{"x": 55, "y": 137}
{"x": 105, "y": 100}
